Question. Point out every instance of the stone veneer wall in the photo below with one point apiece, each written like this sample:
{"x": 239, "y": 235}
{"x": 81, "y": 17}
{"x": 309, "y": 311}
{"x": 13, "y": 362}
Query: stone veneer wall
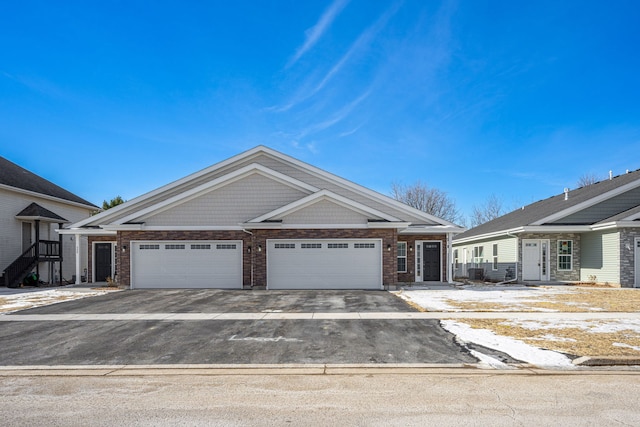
{"x": 627, "y": 256}
{"x": 555, "y": 274}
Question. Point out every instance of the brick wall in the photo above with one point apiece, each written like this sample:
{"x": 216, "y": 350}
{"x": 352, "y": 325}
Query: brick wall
{"x": 91, "y": 240}
{"x": 410, "y": 275}
{"x": 258, "y": 275}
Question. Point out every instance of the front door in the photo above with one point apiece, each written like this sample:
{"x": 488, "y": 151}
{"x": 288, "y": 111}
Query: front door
{"x": 103, "y": 261}
{"x": 535, "y": 259}
{"x": 431, "y": 264}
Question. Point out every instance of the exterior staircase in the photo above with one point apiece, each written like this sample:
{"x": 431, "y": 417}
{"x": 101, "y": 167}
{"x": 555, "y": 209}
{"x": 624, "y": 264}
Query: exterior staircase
{"x": 41, "y": 251}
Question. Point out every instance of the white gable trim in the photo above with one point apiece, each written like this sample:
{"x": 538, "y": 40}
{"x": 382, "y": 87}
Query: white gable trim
{"x": 321, "y": 196}
{"x": 588, "y": 203}
{"x": 357, "y": 188}
{"x": 216, "y": 184}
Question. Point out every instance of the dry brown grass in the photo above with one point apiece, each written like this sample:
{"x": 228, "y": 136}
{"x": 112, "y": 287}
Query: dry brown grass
{"x": 577, "y": 300}
{"x": 576, "y": 341}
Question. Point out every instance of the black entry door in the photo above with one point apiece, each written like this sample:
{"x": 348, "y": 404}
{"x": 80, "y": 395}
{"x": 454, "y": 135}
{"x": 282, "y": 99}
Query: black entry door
{"x": 431, "y": 255}
{"x": 103, "y": 262}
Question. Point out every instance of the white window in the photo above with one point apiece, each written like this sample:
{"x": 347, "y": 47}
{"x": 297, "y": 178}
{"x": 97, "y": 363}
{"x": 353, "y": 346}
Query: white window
{"x": 565, "y": 255}
{"x": 494, "y": 267}
{"x": 402, "y": 257}
{"x": 311, "y": 246}
{"x": 225, "y": 246}
{"x": 338, "y": 245}
{"x": 478, "y": 255}
{"x": 200, "y": 246}
{"x": 149, "y": 246}
{"x": 174, "y": 246}
{"x": 364, "y": 245}
{"x": 456, "y": 262}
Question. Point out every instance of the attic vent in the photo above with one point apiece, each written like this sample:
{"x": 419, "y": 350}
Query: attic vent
{"x": 566, "y": 193}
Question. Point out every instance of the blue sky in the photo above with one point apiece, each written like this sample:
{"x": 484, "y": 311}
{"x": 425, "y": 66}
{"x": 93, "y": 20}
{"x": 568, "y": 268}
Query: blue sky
{"x": 475, "y": 97}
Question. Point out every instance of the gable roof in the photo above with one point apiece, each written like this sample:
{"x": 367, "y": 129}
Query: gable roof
{"x": 550, "y": 212}
{"x": 320, "y": 196}
{"x": 275, "y": 165}
{"x": 14, "y": 176}
{"x": 36, "y": 212}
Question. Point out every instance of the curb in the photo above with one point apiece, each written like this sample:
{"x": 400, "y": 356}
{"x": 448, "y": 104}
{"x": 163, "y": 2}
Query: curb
{"x": 607, "y": 361}
{"x": 295, "y": 369}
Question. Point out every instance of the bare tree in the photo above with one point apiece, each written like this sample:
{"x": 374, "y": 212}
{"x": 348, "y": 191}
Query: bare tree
{"x": 491, "y": 209}
{"x": 587, "y": 179}
{"x": 430, "y": 200}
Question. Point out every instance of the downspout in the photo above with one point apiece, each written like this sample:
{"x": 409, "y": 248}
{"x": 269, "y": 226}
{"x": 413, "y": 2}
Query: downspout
{"x": 515, "y": 274}
{"x": 250, "y": 248}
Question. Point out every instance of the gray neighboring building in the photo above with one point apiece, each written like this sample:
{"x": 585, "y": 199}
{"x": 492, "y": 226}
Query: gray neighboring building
{"x": 31, "y": 210}
{"x": 590, "y": 234}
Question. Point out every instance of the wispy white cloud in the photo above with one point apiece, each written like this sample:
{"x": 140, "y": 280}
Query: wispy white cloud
{"x": 314, "y": 33}
{"x": 362, "y": 42}
{"x": 336, "y": 118}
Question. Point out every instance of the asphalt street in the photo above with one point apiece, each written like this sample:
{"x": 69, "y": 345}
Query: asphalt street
{"x": 450, "y": 399}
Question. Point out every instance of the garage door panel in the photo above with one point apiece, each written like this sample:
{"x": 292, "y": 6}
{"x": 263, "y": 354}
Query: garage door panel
{"x": 324, "y": 264}
{"x": 184, "y": 264}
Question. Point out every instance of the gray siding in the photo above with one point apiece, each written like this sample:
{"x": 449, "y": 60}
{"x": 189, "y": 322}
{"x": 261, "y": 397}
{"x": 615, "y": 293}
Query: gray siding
{"x": 604, "y": 210}
{"x": 600, "y": 257}
{"x": 230, "y": 205}
{"x": 11, "y": 203}
{"x": 506, "y": 258}
{"x": 325, "y": 212}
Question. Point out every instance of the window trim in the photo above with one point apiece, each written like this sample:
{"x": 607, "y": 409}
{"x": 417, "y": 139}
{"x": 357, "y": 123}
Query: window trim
{"x": 403, "y": 257}
{"x": 568, "y": 255}
{"x": 494, "y": 265}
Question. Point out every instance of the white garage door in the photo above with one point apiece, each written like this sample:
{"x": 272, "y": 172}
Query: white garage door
{"x": 324, "y": 264}
{"x": 186, "y": 264}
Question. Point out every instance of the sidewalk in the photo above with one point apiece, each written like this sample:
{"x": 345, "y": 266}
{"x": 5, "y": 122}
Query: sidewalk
{"x": 17, "y": 317}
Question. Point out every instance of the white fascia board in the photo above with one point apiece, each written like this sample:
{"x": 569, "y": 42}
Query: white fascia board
{"x": 357, "y": 188}
{"x": 615, "y": 224}
{"x": 216, "y": 184}
{"x": 320, "y": 196}
{"x": 47, "y": 197}
{"x": 555, "y": 228}
{"x": 192, "y": 228}
{"x": 431, "y": 229}
{"x": 86, "y": 231}
{"x": 526, "y": 229}
{"x": 588, "y": 203}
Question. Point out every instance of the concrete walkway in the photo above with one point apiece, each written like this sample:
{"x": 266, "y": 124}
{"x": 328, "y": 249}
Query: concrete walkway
{"x": 320, "y": 316}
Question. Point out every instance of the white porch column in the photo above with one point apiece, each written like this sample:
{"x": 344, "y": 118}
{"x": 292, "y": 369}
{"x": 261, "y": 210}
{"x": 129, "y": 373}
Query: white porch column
{"x": 449, "y": 257}
{"x": 77, "y": 238}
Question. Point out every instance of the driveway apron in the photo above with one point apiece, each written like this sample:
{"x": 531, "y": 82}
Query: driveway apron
{"x": 325, "y": 338}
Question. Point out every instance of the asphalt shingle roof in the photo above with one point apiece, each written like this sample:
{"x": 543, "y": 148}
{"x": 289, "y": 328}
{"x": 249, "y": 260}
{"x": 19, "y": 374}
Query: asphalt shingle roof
{"x": 13, "y": 175}
{"x": 534, "y": 212}
{"x": 35, "y": 210}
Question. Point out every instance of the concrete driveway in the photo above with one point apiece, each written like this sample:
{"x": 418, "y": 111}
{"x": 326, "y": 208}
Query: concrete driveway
{"x": 72, "y": 333}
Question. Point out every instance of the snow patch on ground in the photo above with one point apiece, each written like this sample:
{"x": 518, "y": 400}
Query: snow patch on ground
{"x": 10, "y": 303}
{"x": 515, "y": 348}
{"x": 510, "y": 298}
